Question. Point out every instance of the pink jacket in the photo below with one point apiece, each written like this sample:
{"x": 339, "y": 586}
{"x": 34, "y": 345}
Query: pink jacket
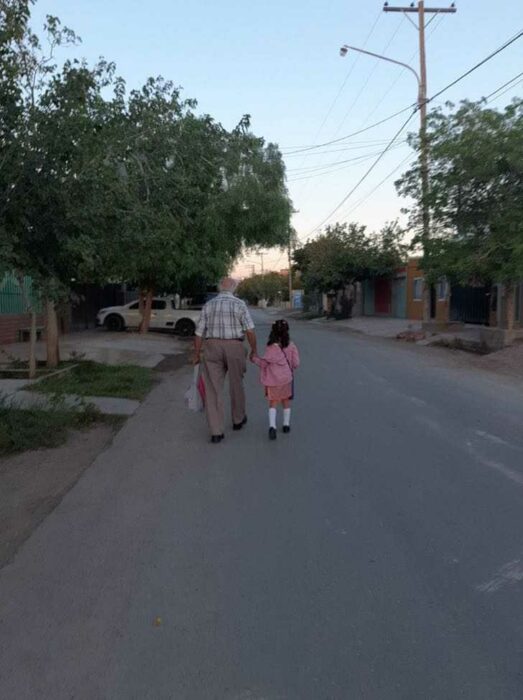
{"x": 278, "y": 364}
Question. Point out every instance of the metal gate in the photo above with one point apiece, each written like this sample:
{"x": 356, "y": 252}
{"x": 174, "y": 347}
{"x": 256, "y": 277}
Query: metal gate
{"x": 470, "y": 305}
{"x": 399, "y": 297}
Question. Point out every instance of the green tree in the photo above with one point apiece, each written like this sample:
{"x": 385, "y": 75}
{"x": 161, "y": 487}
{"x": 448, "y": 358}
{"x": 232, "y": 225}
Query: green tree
{"x": 476, "y": 195}
{"x": 270, "y": 286}
{"x": 346, "y": 253}
{"x": 131, "y": 187}
{"x": 191, "y": 194}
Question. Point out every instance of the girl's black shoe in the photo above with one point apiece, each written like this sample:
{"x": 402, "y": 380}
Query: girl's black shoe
{"x": 272, "y": 434}
{"x": 286, "y": 428}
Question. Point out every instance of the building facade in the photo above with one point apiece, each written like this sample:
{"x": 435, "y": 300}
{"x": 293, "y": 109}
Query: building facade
{"x": 15, "y": 319}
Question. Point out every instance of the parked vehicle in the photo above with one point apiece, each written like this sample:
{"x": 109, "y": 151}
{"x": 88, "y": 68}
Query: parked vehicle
{"x": 164, "y": 316}
{"x": 198, "y": 301}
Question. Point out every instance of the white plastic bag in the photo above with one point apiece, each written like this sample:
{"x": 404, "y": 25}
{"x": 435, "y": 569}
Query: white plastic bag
{"x": 193, "y": 398}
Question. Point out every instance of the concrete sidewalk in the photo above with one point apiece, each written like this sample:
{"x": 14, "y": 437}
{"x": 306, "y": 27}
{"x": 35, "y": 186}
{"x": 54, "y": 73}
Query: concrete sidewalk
{"x": 373, "y": 325}
{"x": 108, "y": 348}
{"x": 108, "y": 405}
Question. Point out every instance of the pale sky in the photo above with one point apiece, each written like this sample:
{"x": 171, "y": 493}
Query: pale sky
{"x": 280, "y": 63}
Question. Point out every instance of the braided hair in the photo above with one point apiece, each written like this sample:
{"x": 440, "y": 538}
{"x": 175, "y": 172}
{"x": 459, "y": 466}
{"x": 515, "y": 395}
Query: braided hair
{"x": 279, "y": 333}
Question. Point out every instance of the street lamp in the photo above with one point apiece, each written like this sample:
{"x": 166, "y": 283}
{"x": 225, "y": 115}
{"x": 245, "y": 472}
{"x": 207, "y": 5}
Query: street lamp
{"x": 346, "y": 48}
{"x": 424, "y": 157}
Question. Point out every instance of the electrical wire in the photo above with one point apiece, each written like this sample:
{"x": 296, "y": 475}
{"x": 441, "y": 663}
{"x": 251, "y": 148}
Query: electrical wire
{"x": 505, "y": 91}
{"x": 349, "y": 73}
{"x": 371, "y": 32}
{"x": 373, "y": 70}
{"x": 404, "y": 126}
{"x": 321, "y": 171}
{"x": 368, "y": 171}
{"x": 478, "y": 65}
{"x": 354, "y": 133}
{"x": 382, "y": 182}
{"x": 299, "y": 149}
{"x": 344, "y": 149}
{"x": 508, "y": 83}
{"x": 403, "y": 70}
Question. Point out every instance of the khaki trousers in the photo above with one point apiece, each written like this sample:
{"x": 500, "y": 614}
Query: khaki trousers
{"x": 219, "y": 358}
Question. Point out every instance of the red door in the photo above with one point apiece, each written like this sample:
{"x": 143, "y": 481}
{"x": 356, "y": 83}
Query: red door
{"x": 382, "y": 295}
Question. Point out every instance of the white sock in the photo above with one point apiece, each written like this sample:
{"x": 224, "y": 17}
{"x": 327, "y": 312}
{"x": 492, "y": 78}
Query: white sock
{"x": 272, "y": 418}
{"x": 286, "y": 416}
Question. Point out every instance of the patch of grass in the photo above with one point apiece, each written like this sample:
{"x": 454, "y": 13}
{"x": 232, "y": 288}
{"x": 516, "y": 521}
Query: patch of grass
{"x": 29, "y": 429}
{"x": 93, "y": 379}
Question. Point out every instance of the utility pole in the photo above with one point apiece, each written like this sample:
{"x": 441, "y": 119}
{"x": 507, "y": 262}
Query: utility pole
{"x": 289, "y": 252}
{"x": 261, "y": 256}
{"x": 422, "y": 11}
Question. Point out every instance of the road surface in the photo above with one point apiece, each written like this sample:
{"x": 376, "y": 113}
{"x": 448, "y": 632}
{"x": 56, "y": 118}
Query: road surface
{"x": 376, "y": 553}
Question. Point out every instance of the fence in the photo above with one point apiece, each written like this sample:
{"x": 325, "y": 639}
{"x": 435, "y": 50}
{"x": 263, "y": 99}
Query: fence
{"x": 12, "y": 298}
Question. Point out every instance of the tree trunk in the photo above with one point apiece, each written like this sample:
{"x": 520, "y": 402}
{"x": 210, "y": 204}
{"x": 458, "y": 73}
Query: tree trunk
{"x": 53, "y": 354}
{"x": 146, "y": 307}
{"x": 510, "y": 306}
{"x": 32, "y": 346}
{"x": 32, "y": 337}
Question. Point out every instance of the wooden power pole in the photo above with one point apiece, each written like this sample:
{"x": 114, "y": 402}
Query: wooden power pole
{"x": 422, "y": 12}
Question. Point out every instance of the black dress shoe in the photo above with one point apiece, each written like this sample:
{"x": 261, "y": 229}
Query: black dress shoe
{"x": 286, "y": 428}
{"x": 239, "y": 426}
{"x": 272, "y": 434}
{"x": 215, "y": 439}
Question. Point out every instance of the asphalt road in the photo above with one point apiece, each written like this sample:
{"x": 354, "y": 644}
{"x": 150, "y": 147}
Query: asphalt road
{"x": 376, "y": 553}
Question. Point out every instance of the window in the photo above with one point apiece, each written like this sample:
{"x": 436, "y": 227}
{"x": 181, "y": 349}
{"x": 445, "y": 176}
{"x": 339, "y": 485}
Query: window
{"x": 135, "y": 306}
{"x": 417, "y": 289}
{"x": 159, "y": 305}
{"x": 441, "y": 288}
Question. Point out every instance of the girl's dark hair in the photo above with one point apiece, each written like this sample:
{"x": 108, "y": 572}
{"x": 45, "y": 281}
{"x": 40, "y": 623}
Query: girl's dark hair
{"x": 279, "y": 333}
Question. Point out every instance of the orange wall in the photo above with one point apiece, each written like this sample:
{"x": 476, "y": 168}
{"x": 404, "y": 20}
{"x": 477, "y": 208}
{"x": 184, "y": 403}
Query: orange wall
{"x": 415, "y": 306}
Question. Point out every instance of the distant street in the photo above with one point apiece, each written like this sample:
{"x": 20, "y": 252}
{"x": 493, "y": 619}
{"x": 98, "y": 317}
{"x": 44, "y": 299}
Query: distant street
{"x": 376, "y": 553}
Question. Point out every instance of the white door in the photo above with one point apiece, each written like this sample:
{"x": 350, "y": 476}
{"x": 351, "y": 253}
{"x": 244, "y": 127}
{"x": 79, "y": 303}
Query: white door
{"x": 132, "y": 315}
{"x": 160, "y": 316}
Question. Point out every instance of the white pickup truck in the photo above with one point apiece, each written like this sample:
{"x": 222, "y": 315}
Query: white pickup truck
{"x": 164, "y": 316}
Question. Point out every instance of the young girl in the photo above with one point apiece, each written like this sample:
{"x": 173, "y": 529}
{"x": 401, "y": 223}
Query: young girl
{"x": 277, "y": 369}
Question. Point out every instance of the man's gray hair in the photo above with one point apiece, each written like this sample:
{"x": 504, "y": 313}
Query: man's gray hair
{"x": 228, "y": 284}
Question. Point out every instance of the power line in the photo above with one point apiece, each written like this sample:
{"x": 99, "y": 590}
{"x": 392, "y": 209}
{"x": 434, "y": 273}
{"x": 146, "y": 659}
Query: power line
{"x": 344, "y": 149}
{"x": 343, "y": 86}
{"x": 398, "y": 133}
{"x": 355, "y": 133}
{"x": 478, "y": 65}
{"x": 402, "y": 71}
{"x": 373, "y": 70}
{"x": 508, "y": 83}
{"x": 320, "y": 166}
{"x": 382, "y": 182}
{"x": 323, "y": 171}
{"x": 349, "y": 73}
{"x": 368, "y": 172}
{"x": 303, "y": 149}
{"x": 505, "y": 91}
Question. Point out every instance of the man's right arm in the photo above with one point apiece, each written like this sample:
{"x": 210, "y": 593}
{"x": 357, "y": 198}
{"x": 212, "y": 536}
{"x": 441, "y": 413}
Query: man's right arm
{"x": 198, "y": 337}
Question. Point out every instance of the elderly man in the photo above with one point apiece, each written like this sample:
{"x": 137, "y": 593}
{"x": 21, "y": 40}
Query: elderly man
{"x": 221, "y": 330}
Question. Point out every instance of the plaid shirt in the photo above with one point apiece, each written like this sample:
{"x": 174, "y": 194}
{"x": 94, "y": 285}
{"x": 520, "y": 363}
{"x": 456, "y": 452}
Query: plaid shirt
{"x": 225, "y": 317}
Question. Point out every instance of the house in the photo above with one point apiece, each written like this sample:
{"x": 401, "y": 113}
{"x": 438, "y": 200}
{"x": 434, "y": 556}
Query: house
{"x": 400, "y": 295}
{"x": 14, "y": 315}
{"x": 439, "y": 295}
{"x": 483, "y": 305}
